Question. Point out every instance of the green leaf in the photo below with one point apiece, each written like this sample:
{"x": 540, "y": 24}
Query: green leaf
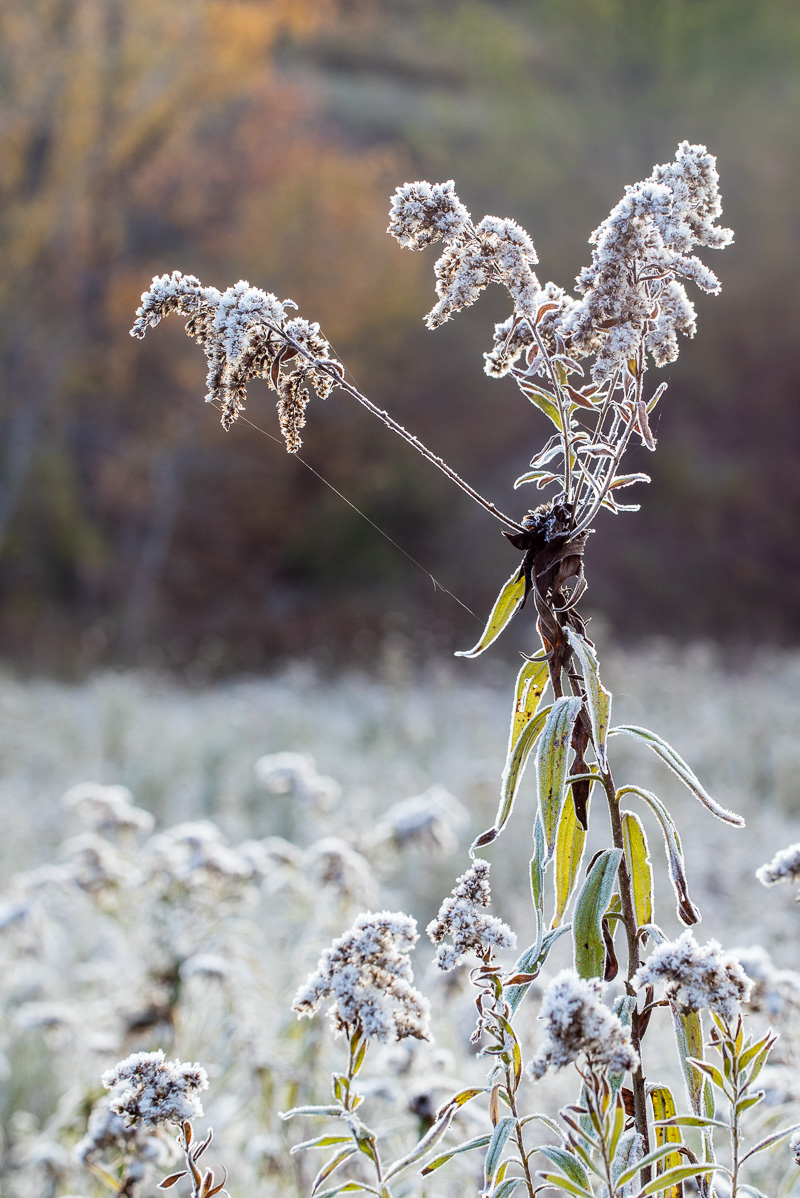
{"x": 494, "y": 1152}
{"x": 656, "y": 1157}
{"x": 560, "y": 1182}
{"x": 332, "y": 1109}
{"x": 431, "y": 1137}
{"x": 590, "y": 952}
{"x": 320, "y": 1142}
{"x": 530, "y": 686}
{"x": 467, "y": 1146}
{"x": 336, "y": 1160}
{"x": 512, "y": 775}
{"x": 347, "y": 1187}
{"x": 506, "y": 605}
{"x": 544, "y": 403}
{"x": 570, "y": 842}
{"x": 673, "y": 1176}
{"x": 770, "y": 1140}
{"x": 507, "y": 1187}
{"x": 540, "y": 477}
{"x": 537, "y": 879}
{"x": 679, "y": 767}
{"x": 695, "y": 1121}
{"x": 552, "y": 762}
{"x": 689, "y": 1039}
{"x": 531, "y": 962}
{"x": 598, "y": 699}
{"x": 687, "y": 912}
{"x": 641, "y": 871}
{"x": 569, "y": 1164}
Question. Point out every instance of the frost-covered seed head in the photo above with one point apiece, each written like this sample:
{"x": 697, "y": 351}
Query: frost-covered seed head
{"x": 148, "y": 1089}
{"x": 697, "y": 976}
{"x": 367, "y": 975}
{"x": 422, "y": 213}
{"x": 462, "y": 917}
{"x": 107, "y": 808}
{"x": 784, "y": 867}
{"x": 577, "y": 1021}
{"x": 775, "y": 991}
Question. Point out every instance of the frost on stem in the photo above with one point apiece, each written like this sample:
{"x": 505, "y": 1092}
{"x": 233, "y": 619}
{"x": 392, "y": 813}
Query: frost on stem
{"x": 784, "y": 867}
{"x": 367, "y": 975}
{"x": 146, "y": 1088}
{"x": 462, "y": 917}
{"x": 577, "y": 1021}
{"x": 245, "y": 333}
{"x": 697, "y": 976}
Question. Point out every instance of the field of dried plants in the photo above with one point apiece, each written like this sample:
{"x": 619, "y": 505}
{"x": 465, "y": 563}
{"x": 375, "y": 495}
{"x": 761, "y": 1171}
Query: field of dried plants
{"x": 259, "y": 817}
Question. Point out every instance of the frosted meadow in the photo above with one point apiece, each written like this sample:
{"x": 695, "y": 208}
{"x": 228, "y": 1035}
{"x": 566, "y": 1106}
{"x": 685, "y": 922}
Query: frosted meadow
{"x": 260, "y": 853}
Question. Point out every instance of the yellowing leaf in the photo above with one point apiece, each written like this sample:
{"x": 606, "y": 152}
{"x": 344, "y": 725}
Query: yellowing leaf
{"x": 506, "y": 606}
{"x": 639, "y": 867}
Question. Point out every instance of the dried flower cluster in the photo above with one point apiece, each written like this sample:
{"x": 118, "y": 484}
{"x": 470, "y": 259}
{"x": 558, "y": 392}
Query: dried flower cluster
{"x": 494, "y": 251}
{"x": 697, "y": 976}
{"x": 629, "y": 294}
{"x": 107, "y": 808}
{"x": 463, "y": 918}
{"x": 775, "y": 991}
{"x": 245, "y": 333}
{"x": 577, "y": 1021}
{"x": 148, "y": 1089}
{"x": 784, "y": 867}
{"x": 367, "y": 975}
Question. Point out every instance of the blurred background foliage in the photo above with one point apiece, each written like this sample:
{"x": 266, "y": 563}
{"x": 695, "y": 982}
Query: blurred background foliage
{"x": 261, "y": 139}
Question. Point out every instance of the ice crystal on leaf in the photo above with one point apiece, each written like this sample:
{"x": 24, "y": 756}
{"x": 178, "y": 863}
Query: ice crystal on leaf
{"x": 577, "y": 1021}
{"x": 148, "y": 1089}
{"x": 367, "y": 976}
{"x": 697, "y": 976}
{"x": 462, "y": 916}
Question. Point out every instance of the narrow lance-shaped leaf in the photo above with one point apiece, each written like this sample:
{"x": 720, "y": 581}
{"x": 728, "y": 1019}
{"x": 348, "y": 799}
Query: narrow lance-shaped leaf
{"x": 530, "y": 686}
{"x": 328, "y": 1168}
{"x": 570, "y": 843}
{"x": 591, "y": 904}
{"x": 569, "y": 1164}
{"x": 506, "y": 606}
{"x": 689, "y": 1038}
{"x": 598, "y": 699}
{"x": 444, "y": 1157}
{"x": 537, "y": 878}
{"x": 552, "y": 763}
{"x": 639, "y": 867}
{"x": 494, "y": 1152}
{"x": 544, "y": 403}
{"x": 530, "y": 963}
{"x": 673, "y": 1176}
{"x": 687, "y": 912}
{"x": 507, "y": 1187}
{"x": 664, "y": 1108}
{"x": 679, "y": 767}
{"x": 512, "y": 775}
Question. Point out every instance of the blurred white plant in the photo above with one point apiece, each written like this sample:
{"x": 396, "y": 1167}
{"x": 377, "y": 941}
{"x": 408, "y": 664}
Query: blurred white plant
{"x": 107, "y": 808}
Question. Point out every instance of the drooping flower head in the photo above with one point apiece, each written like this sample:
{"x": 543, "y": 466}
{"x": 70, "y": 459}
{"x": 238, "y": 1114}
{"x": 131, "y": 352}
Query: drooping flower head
{"x": 784, "y": 867}
{"x": 366, "y": 974}
{"x": 462, "y": 917}
{"x": 697, "y": 976}
{"x": 577, "y": 1021}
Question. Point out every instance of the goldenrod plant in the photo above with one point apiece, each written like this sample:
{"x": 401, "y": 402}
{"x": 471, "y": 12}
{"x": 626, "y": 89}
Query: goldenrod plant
{"x": 584, "y": 360}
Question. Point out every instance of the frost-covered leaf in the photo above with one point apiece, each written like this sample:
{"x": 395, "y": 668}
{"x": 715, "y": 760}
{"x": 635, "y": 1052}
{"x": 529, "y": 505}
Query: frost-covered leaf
{"x": 570, "y": 842}
{"x": 639, "y": 867}
{"x": 552, "y": 764}
{"x": 598, "y": 699}
{"x": 590, "y": 907}
{"x": 506, "y": 606}
{"x": 679, "y": 767}
{"x": 512, "y": 775}
{"x": 687, "y": 912}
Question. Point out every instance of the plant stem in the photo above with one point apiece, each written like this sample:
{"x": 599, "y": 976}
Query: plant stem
{"x": 335, "y": 372}
{"x": 631, "y": 930}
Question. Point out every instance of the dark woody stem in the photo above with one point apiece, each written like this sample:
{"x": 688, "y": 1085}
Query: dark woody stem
{"x": 334, "y": 372}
